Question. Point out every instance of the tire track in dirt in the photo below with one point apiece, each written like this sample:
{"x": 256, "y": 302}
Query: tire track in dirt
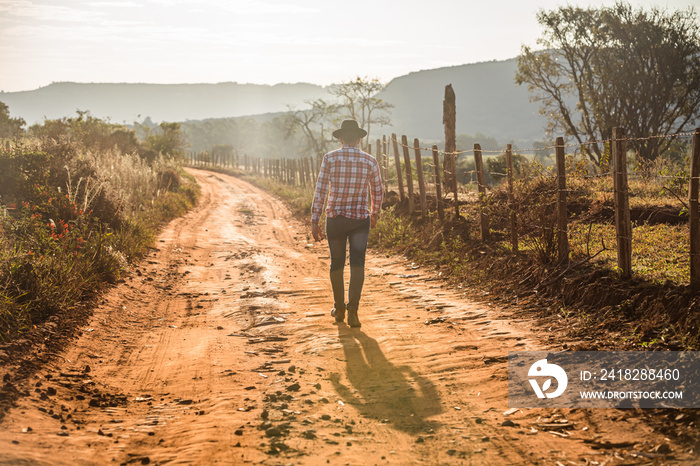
{"x": 219, "y": 348}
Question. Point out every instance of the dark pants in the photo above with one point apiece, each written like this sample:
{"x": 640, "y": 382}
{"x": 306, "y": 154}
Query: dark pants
{"x": 341, "y": 231}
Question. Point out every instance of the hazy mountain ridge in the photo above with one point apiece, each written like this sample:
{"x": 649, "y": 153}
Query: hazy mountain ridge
{"x": 488, "y": 102}
{"x": 122, "y": 102}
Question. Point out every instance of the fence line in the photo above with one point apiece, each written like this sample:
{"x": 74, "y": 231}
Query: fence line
{"x": 304, "y": 171}
{"x": 685, "y": 135}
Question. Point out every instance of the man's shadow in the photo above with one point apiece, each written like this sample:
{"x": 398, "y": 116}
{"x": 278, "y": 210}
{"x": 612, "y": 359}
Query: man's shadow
{"x": 380, "y": 390}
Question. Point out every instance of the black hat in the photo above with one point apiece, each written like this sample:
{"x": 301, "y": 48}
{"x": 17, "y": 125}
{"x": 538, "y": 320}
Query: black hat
{"x": 349, "y": 130}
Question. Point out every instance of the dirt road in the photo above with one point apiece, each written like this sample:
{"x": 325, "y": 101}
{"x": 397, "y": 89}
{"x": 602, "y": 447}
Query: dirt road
{"x": 219, "y": 349}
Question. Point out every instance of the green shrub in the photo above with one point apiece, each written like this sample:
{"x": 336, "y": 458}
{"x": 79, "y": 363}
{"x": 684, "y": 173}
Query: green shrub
{"x": 72, "y": 221}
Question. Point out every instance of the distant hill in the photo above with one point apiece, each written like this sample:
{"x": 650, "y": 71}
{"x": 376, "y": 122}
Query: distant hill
{"x": 488, "y": 102}
{"x": 126, "y": 103}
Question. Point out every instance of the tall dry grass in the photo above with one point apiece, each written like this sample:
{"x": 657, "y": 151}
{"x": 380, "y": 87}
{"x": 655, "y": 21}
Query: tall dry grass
{"x": 73, "y": 219}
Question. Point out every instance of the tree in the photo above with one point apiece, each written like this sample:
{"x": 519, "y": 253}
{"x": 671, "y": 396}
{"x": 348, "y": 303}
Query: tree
{"x": 313, "y": 122}
{"x": 126, "y": 141}
{"x": 9, "y": 127}
{"x": 91, "y": 132}
{"x": 356, "y": 99}
{"x": 616, "y": 66}
{"x": 359, "y": 98}
{"x": 497, "y": 167}
{"x": 168, "y": 141}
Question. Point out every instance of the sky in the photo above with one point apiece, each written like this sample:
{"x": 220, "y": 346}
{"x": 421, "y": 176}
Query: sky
{"x": 260, "y": 41}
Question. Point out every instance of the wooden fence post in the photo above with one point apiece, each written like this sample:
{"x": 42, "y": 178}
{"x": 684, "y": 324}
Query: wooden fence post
{"x": 381, "y": 155}
{"x": 298, "y": 174}
{"x": 481, "y": 185}
{"x": 385, "y": 168}
{"x": 397, "y": 161}
{"x": 438, "y": 189}
{"x": 449, "y": 118}
{"x": 694, "y": 211}
{"x": 304, "y": 171}
{"x": 300, "y": 170}
{"x": 511, "y": 199}
{"x": 307, "y": 169}
{"x": 409, "y": 174}
{"x": 385, "y": 165}
{"x": 562, "y": 226}
{"x": 453, "y": 163}
{"x": 623, "y": 224}
{"x": 378, "y": 156}
{"x": 421, "y": 179}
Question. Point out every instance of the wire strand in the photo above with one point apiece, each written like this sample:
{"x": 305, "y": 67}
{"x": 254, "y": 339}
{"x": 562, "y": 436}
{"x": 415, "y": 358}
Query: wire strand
{"x": 554, "y": 146}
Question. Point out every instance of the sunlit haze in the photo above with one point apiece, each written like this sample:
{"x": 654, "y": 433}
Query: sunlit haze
{"x": 258, "y": 41}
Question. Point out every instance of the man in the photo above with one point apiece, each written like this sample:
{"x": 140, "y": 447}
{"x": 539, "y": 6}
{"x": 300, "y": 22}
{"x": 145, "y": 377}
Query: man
{"x": 345, "y": 175}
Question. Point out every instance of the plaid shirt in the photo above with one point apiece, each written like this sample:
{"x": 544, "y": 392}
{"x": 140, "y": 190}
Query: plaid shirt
{"x": 347, "y": 171}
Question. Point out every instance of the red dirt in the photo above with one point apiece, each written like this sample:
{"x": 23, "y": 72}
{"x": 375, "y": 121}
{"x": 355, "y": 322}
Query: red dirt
{"x": 219, "y": 348}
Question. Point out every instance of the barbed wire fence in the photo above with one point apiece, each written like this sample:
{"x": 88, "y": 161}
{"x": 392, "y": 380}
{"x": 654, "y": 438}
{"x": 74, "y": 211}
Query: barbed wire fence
{"x": 426, "y": 185}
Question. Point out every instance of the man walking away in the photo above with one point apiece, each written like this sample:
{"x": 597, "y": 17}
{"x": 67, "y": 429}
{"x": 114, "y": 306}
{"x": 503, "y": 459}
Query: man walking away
{"x": 345, "y": 175}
